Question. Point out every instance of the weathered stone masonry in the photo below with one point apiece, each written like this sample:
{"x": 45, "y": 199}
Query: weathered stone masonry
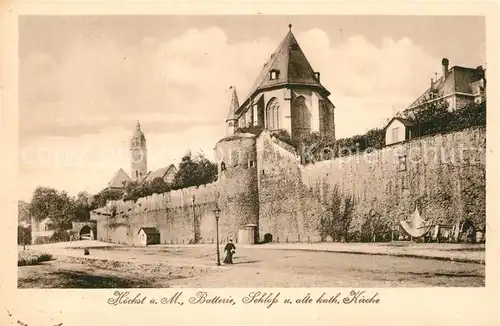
{"x": 261, "y": 182}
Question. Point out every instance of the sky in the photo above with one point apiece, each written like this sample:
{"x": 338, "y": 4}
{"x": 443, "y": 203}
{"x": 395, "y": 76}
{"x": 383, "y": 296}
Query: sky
{"x": 85, "y": 80}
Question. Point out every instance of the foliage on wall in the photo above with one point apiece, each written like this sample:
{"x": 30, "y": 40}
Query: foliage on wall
{"x": 435, "y": 117}
{"x": 315, "y": 148}
{"x": 336, "y": 221}
{"x": 375, "y": 228}
{"x": 194, "y": 171}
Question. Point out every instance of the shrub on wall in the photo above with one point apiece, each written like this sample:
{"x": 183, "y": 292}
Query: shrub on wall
{"x": 315, "y": 148}
{"x": 194, "y": 171}
{"x": 284, "y": 136}
{"x": 435, "y": 117}
{"x": 336, "y": 221}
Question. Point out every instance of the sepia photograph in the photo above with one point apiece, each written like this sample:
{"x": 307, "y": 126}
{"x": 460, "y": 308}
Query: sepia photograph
{"x": 243, "y": 151}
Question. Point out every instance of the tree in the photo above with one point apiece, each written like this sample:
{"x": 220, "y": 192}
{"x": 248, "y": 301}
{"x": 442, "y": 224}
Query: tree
{"x": 23, "y": 236}
{"x": 101, "y": 198}
{"x": 158, "y": 186}
{"x": 23, "y": 212}
{"x": 49, "y": 203}
{"x": 195, "y": 172}
{"x": 337, "y": 220}
{"x": 83, "y": 206}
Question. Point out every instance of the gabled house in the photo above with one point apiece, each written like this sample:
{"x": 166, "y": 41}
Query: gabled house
{"x": 399, "y": 130}
{"x": 167, "y": 174}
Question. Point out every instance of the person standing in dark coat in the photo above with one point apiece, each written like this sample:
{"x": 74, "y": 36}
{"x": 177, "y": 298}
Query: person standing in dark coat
{"x": 229, "y": 249}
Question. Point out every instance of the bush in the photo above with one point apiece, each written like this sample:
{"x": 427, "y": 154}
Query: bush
{"x": 284, "y": 136}
{"x": 315, "y": 148}
{"x": 337, "y": 220}
{"x": 375, "y": 229}
{"x": 25, "y": 258}
{"x": 60, "y": 236}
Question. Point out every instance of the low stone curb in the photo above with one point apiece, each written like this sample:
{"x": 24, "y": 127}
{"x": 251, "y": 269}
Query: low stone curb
{"x": 408, "y": 255}
{"x": 181, "y": 270}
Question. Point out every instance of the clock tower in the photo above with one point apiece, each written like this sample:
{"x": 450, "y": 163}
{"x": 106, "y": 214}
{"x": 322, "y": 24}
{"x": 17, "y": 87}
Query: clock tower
{"x": 139, "y": 157}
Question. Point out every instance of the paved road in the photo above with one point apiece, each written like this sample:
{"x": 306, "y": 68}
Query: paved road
{"x": 279, "y": 268}
{"x": 287, "y": 268}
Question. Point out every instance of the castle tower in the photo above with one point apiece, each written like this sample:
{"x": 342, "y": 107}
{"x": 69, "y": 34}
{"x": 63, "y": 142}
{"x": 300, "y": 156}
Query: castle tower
{"x": 231, "y": 120}
{"x": 288, "y": 94}
{"x": 139, "y": 157}
{"x": 237, "y": 183}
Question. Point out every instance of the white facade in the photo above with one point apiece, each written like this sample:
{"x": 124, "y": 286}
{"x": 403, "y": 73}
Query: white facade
{"x": 395, "y": 132}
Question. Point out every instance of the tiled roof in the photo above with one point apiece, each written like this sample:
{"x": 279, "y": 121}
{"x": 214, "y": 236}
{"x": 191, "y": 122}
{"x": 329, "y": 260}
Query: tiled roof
{"x": 160, "y": 173}
{"x": 405, "y": 122}
{"x": 459, "y": 80}
{"x": 149, "y": 230}
{"x": 292, "y": 67}
{"x": 119, "y": 180}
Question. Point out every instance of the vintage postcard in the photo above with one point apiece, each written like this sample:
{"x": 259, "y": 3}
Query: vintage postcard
{"x": 204, "y": 164}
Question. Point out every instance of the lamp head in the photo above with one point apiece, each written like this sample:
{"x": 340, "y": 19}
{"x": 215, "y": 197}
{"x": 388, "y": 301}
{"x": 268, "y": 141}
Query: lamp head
{"x": 217, "y": 212}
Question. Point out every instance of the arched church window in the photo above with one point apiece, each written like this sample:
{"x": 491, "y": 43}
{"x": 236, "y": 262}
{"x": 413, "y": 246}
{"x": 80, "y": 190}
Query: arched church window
{"x": 272, "y": 114}
{"x": 223, "y": 166}
{"x": 273, "y": 74}
{"x": 301, "y": 118}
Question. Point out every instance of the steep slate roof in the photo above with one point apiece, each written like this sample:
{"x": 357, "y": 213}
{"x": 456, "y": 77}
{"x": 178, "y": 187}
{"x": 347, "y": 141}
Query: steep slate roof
{"x": 233, "y": 105}
{"x": 292, "y": 65}
{"x": 459, "y": 80}
{"x": 149, "y": 230}
{"x": 119, "y": 179}
{"x": 160, "y": 173}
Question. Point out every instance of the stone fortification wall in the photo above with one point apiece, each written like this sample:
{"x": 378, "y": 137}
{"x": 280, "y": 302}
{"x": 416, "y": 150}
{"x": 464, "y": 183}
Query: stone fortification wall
{"x": 288, "y": 210}
{"x": 443, "y": 175}
{"x": 261, "y": 182}
{"x": 172, "y": 213}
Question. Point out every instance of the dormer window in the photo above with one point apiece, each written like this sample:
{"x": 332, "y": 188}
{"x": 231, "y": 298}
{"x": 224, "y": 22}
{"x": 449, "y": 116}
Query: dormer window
{"x": 317, "y": 76}
{"x": 274, "y": 74}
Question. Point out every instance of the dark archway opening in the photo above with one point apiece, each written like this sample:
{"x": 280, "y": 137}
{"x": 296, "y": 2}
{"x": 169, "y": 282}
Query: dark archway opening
{"x": 86, "y": 233}
{"x": 268, "y": 237}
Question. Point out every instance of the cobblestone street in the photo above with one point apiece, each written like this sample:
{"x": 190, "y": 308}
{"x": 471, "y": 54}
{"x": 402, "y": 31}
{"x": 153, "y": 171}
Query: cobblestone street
{"x": 253, "y": 267}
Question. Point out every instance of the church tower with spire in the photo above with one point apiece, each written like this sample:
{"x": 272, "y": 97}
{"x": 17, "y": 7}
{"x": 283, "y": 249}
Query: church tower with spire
{"x": 287, "y": 94}
{"x": 232, "y": 120}
{"x": 139, "y": 157}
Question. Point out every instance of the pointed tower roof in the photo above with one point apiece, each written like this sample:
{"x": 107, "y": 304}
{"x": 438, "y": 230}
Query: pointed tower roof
{"x": 233, "y": 105}
{"x": 292, "y": 67}
{"x": 138, "y": 132}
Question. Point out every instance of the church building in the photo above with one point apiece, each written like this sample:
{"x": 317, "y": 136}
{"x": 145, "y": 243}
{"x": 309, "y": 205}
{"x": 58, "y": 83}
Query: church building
{"x": 139, "y": 165}
{"x": 287, "y": 94}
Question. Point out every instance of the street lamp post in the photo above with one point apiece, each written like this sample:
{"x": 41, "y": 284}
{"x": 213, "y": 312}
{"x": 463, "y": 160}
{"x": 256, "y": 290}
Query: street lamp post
{"x": 217, "y": 215}
{"x": 194, "y": 220}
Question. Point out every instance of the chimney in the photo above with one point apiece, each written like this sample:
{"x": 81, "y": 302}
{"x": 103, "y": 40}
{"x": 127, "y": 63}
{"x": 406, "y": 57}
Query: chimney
{"x": 445, "y": 64}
